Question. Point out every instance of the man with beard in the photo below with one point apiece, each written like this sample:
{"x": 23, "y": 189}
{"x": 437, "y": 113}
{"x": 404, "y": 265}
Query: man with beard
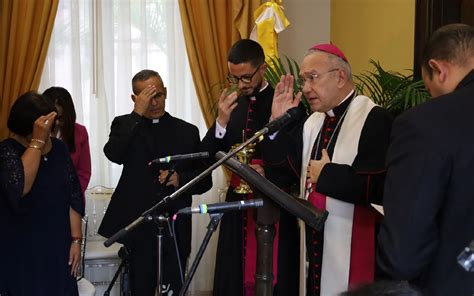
{"x": 240, "y": 114}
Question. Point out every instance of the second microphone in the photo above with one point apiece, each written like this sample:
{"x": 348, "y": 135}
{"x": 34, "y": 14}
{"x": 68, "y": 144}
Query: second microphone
{"x": 222, "y": 207}
{"x": 189, "y": 156}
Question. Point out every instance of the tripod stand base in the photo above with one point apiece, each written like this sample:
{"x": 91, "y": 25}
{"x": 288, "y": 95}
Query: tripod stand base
{"x": 211, "y": 228}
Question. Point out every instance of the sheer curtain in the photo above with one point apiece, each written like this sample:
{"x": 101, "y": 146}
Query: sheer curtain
{"x": 95, "y": 49}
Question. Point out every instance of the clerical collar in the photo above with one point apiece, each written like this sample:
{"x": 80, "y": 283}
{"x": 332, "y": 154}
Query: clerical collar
{"x": 156, "y": 120}
{"x": 265, "y": 85}
{"x": 339, "y": 109}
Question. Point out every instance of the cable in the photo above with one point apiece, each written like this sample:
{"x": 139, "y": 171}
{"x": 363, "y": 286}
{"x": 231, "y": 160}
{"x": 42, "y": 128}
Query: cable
{"x": 172, "y": 232}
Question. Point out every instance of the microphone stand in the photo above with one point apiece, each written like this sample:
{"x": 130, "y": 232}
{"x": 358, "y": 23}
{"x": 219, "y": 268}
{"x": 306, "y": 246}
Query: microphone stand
{"x": 160, "y": 221}
{"x": 211, "y": 228}
{"x": 146, "y": 215}
{"x": 124, "y": 231}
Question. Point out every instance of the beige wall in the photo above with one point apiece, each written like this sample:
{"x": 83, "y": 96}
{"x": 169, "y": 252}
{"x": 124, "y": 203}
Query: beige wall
{"x": 379, "y": 29}
{"x": 310, "y": 24}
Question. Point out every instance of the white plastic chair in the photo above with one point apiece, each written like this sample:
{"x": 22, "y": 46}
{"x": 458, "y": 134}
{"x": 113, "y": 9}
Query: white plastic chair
{"x": 97, "y": 201}
{"x": 100, "y": 262}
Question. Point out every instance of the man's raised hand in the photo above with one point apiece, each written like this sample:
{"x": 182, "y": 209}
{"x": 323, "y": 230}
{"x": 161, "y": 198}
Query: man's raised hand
{"x": 142, "y": 100}
{"x": 227, "y": 103}
{"x": 283, "y": 98}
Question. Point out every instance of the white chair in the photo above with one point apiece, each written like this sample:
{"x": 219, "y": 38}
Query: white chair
{"x": 100, "y": 262}
{"x": 97, "y": 201}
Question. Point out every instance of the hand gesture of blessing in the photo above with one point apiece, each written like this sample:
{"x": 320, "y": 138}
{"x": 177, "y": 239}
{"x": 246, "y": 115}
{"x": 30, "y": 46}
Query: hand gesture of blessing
{"x": 283, "y": 98}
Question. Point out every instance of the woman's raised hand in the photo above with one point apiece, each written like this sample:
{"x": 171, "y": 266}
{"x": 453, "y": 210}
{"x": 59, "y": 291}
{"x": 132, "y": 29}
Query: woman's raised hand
{"x": 42, "y": 126}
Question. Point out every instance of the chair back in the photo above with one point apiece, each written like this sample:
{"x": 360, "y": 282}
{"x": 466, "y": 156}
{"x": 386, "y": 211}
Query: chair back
{"x": 84, "y": 286}
{"x": 97, "y": 201}
{"x": 101, "y": 263}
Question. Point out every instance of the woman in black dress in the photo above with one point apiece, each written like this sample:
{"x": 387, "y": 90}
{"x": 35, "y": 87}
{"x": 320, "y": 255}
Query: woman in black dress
{"x": 41, "y": 205}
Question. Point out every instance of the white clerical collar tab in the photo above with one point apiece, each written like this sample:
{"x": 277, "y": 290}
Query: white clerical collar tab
{"x": 155, "y": 120}
{"x": 330, "y": 113}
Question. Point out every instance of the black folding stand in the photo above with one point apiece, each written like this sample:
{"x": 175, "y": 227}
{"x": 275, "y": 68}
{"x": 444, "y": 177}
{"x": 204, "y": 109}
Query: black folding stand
{"x": 125, "y": 289}
{"x": 211, "y": 228}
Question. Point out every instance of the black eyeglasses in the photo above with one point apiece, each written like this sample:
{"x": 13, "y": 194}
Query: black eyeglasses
{"x": 245, "y": 79}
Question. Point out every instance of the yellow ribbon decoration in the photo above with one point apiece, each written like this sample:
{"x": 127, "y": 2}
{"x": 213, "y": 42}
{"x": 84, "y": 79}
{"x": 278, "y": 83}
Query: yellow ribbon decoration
{"x": 269, "y": 21}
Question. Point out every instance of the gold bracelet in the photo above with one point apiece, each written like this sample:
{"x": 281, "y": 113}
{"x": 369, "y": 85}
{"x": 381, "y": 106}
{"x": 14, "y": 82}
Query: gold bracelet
{"x": 39, "y": 141}
{"x": 35, "y": 146}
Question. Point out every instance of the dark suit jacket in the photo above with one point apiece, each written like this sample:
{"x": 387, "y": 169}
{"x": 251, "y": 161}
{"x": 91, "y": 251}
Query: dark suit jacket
{"x": 133, "y": 142}
{"x": 429, "y": 194}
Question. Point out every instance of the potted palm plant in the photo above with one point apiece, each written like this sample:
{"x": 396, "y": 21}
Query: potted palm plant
{"x": 394, "y": 91}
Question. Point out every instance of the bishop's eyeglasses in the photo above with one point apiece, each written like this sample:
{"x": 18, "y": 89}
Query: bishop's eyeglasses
{"x": 311, "y": 78}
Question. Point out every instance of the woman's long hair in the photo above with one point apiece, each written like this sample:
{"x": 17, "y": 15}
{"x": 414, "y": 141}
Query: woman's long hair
{"x": 61, "y": 97}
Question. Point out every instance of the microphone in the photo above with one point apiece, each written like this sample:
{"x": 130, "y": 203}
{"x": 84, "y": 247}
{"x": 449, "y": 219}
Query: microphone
{"x": 222, "y": 207}
{"x": 292, "y": 114}
{"x": 168, "y": 159}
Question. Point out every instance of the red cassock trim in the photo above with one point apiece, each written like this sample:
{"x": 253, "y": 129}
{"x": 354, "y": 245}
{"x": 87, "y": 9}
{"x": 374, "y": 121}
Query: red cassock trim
{"x": 362, "y": 262}
{"x": 362, "y": 247}
{"x": 317, "y": 199}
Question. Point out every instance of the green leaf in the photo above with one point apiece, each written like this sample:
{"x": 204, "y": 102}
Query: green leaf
{"x": 392, "y": 90}
{"x": 290, "y": 66}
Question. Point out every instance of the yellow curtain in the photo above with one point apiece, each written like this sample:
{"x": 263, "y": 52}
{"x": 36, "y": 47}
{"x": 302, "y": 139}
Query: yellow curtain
{"x": 25, "y": 31}
{"x": 210, "y": 28}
